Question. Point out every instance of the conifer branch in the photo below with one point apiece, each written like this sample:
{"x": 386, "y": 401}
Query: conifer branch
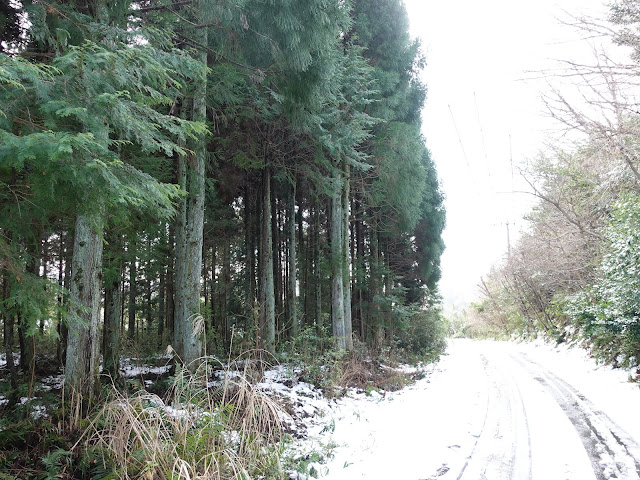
{"x": 195, "y": 44}
{"x": 162, "y": 7}
{"x": 52, "y": 8}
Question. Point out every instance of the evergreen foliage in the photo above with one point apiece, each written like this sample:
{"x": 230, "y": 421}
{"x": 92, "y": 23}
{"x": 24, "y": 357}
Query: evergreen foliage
{"x": 607, "y": 313}
{"x": 207, "y": 177}
{"x": 193, "y": 140}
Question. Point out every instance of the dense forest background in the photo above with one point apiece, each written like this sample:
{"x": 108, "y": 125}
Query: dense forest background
{"x": 214, "y": 176}
{"x": 573, "y": 274}
{"x": 195, "y": 180}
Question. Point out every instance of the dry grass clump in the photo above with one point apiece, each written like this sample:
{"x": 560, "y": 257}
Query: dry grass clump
{"x": 201, "y": 430}
{"x": 356, "y": 372}
{"x": 368, "y": 374}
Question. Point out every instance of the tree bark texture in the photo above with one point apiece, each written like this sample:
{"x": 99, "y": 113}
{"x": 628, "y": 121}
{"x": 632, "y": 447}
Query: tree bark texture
{"x": 25, "y": 338}
{"x": 170, "y": 283}
{"x": 337, "y": 264}
{"x": 293, "y": 278}
{"x": 189, "y": 235}
{"x": 267, "y": 289}
{"x": 346, "y": 276}
{"x": 81, "y": 367}
{"x": 114, "y": 269}
{"x": 225, "y": 321}
{"x": 375, "y": 286}
{"x": 133, "y": 291}
{"x": 8, "y": 333}
{"x": 250, "y": 282}
{"x": 317, "y": 274}
{"x": 189, "y": 325}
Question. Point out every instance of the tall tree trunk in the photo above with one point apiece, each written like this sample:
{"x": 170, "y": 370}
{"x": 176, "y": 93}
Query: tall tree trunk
{"x": 162, "y": 283}
{"x": 81, "y": 368}
{"x": 303, "y": 261}
{"x": 204, "y": 274}
{"x": 133, "y": 273}
{"x": 26, "y": 339}
{"x": 358, "y": 271}
{"x": 293, "y": 278}
{"x": 275, "y": 252}
{"x": 170, "y": 289}
{"x": 375, "y": 287}
{"x": 45, "y": 272}
{"x": 8, "y": 334}
{"x": 114, "y": 269}
{"x": 226, "y": 286}
{"x": 337, "y": 264}
{"x": 148, "y": 286}
{"x": 188, "y": 343}
{"x": 60, "y": 325}
{"x": 388, "y": 292}
{"x": 9, "y": 321}
{"x": 249, "y": 235}
{"x": 161, "y": 304}
{"x": 189, "y": 325}
{"x": 267, "y": 294}
{"x": 66, "y": 252}
{"x": 346, "y": 276}
{"x": 215, "y": 293}
{"x": 317, "y": 274}
{"x": 27, "y": 346}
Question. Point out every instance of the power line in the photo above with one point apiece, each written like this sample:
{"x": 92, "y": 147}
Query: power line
{"x": 459, "y": 138}
{"x": 511, "y": 161}
{"x": 484, "y": 148}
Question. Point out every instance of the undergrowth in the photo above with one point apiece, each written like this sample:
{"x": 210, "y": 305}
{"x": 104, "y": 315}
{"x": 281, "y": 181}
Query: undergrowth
{"x": 363, "y": 368}
{"x": 202, "y": 429}
{"x": 212, "y": 423}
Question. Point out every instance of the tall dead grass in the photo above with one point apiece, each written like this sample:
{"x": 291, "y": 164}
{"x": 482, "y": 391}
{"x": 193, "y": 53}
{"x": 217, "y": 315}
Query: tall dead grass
{"x": 203, "y": 429}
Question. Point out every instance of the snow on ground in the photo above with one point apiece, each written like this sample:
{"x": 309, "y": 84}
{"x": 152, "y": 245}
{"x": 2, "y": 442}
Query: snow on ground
{"x": 3, "y": 359}
{"x": 396, "y": 435}
{"x": 611, "y": 389}
{"x": 306, "y": 404}
{"x": 132, "y": 367}
{"x": 52, "y": 382}
{"x": 487, "y": 410}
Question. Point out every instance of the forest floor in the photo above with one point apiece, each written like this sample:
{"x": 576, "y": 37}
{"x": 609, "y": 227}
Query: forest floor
{"x": 309, "y": 397}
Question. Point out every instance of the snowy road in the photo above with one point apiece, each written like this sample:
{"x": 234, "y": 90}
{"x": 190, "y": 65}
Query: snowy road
{"x": 496, "y": 411}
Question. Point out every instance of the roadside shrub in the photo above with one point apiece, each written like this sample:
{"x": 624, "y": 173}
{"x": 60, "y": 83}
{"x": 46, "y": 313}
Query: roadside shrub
{"x": 607, "y": 314}
{"x": 422, "y": 333}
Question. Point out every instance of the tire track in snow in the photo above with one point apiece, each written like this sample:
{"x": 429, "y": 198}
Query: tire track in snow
{"x": 503, "y": 446}
{"x": 613, "y": 454}
{"x": 484, "y": 424}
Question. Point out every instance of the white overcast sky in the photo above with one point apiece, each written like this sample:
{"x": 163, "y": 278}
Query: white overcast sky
{"x": 480, "y": 113}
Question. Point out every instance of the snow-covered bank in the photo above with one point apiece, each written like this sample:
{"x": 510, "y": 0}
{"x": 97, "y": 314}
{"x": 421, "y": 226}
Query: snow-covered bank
{"x": 487, "y": 408}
